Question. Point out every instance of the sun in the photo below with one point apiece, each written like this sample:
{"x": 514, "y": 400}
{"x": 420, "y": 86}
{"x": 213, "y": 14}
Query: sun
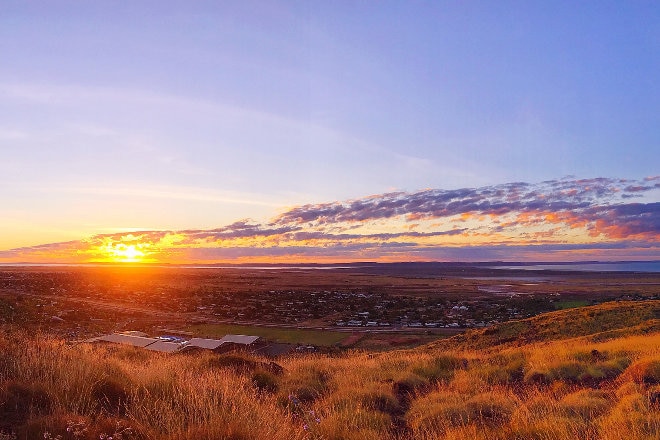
{"x": 123, "y": 253}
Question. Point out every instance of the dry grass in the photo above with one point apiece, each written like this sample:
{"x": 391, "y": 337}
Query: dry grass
{"x": 573, "y": 388}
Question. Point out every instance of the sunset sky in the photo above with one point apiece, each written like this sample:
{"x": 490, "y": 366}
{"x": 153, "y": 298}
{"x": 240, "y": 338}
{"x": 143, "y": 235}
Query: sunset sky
{"x": 302, "y": 131}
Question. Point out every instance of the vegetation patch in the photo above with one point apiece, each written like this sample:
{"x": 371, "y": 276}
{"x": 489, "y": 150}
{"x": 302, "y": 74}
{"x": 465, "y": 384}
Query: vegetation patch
{"x": 569, "y": 304}
{"x": 585, "y": 404}
{"x": 237, "y": 361}
{"x": 20, "y": 400}
{"x": 408, "y": 386}
{"x": 440, "y": 368}
{"x": 321, "y": 338}
{"x": 490, "y": 408}
{"x": 645, "y": 371}
{"x": 111, "y": 394}
{"x": 308, "y": 383}
{"x": 265, "y": 381}
{"x": 500, "y": 369}
{"x": 563, "y": 324}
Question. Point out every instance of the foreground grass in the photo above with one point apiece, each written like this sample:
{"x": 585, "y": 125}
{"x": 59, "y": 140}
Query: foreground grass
{"x": 584, "y": 387}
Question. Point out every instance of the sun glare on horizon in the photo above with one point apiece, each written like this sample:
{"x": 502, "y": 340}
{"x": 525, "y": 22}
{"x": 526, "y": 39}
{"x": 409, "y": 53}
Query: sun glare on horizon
{"x": 123, "y": 253}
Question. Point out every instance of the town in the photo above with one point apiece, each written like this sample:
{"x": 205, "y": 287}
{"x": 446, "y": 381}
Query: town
{"x": 84, "y": 301}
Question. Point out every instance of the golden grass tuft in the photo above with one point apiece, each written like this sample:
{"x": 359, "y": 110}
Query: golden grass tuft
{"x": 645, "y": 371}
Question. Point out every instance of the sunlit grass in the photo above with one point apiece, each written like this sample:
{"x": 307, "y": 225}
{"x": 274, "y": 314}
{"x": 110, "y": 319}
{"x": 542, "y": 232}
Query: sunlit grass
{"x": 564, "y": 389}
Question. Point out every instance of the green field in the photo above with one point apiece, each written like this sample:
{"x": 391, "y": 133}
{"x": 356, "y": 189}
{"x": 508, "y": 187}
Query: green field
{"x": 321, "y": 338}
{"x": 570, "y": 304}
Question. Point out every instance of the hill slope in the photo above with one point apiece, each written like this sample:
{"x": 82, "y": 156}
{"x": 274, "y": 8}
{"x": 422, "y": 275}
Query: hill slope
{"x": 603, "y": 321}
{"x": 582, "y": 373}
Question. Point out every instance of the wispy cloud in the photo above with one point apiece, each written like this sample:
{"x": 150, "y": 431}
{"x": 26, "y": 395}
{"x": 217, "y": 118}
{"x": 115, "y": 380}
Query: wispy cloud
{"x": 557, "y": 219}
{"x": 161, "y": 192}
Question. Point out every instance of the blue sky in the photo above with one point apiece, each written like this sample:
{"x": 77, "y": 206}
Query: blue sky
{"x": 120, "y": 116}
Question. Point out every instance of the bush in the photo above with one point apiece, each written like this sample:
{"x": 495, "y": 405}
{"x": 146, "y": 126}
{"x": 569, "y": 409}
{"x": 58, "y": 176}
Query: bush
{"x": 585, "y": 404}
{"x": 579, "y": 373}
{"x": 265, "y": 381}
{"x": 440, "y": 368}
{"x": 408, "y": 386}
{"x": 632, "y": 417}
{"x": 502, "y": 370}
{"x": 490, "y": 408}
{"x": 355, "y": 424}
{"x": 19, "y": 400}
{"x": 539, "y": 377}
{"x": 435, "y": 413}
{"x": 569, "y": 372}
{"x": 645, "y": 372}
{"x": 382, "y": 402}
{"x": 237, "y": 362}
{"x": 308, "y": 384}
{"x": 111, "y": 394}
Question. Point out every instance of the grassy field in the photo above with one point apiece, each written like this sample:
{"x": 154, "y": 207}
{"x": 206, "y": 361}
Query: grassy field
{"x": 321, "y": 338}
{"x": 570, "y": 304}
{"x": 602, "y": 382}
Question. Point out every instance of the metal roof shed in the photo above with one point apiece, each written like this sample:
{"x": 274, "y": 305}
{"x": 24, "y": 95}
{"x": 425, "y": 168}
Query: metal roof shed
{"x": 164, "y": 346}
{"x": 134, "y": 333}
{"x": 209, "y": 344}
{"x": 136, "y": 341}
{"x": 239, "y": 339}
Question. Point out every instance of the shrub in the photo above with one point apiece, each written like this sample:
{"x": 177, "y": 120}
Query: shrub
{"x": 645, "y": 372}
{"x": 383, "y": 402}
{"x": 569, "y": 372}
{"x": 265, "y": 381}
{"x": 408, "y": 386}
{"x": 579, "y": 373}
{"x": 111, "y": 394}
{"x": 501, "y": 369}
{"x": 440, "y": 368}
{"x": 490, "y": 408}
{"x": 585, "y": 404}
{"x": 435, "y": 413}
{"x": 19, "y": 400}
{"x": 237, "y": 362}
{"x": 632, "y": 417}
{"x": 308, "y": 383}
{"x": 353, "y": 424}
{"x": 613, "y": 368}
{"x": 539, "y": 377}
{"x": 439, "y": 412}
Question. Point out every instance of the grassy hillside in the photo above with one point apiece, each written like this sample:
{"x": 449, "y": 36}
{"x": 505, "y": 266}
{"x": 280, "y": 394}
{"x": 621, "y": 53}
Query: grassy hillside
{"x": 558, "y": 385}
{"x": 601, "y": 322}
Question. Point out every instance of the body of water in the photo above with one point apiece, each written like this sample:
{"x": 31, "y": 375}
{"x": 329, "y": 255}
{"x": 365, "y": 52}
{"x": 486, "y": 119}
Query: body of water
{"x": 618, "y": 266}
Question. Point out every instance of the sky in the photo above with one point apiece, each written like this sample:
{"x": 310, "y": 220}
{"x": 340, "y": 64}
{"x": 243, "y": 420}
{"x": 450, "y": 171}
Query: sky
{"x": 298, "y": 131}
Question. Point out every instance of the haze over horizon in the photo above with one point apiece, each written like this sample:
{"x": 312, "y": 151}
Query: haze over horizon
{"x": 287, "y": 131}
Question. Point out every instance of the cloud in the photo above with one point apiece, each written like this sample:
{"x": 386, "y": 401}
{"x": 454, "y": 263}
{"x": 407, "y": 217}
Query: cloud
{"x": 555, "y": 195}
{"x": 566, "y": 218}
